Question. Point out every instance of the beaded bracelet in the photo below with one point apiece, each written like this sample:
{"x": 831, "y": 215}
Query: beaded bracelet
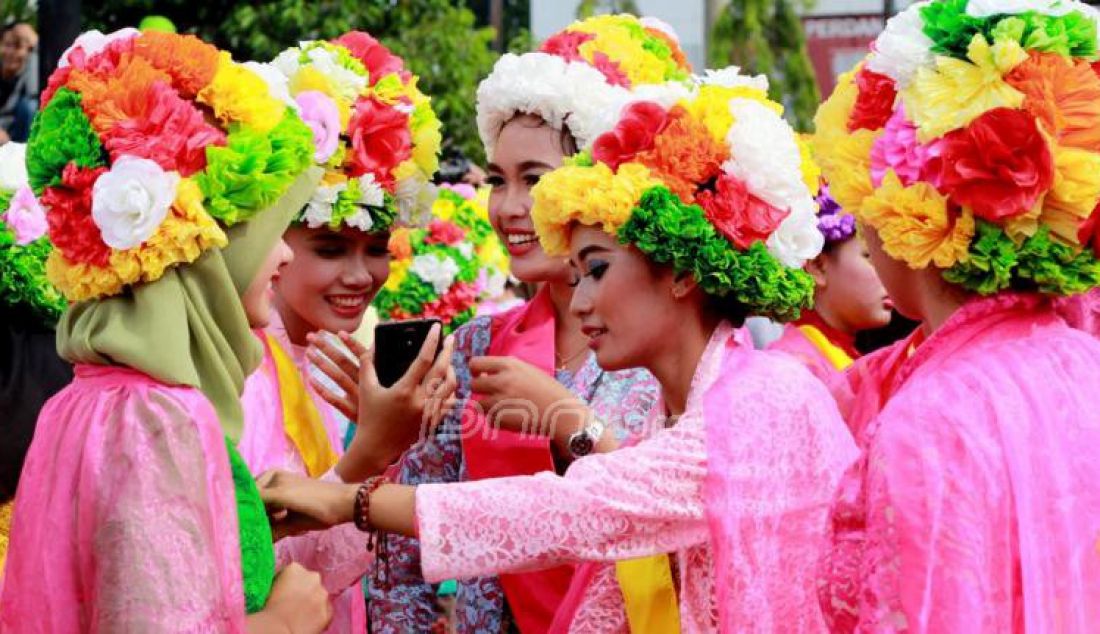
{"x": 375, "y": 537}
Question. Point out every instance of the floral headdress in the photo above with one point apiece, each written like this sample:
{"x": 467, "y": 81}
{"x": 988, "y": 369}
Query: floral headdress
{"x": 147, "y": 146}
{"x": 376, "y": 134}
{"x": 835, "y": 224}
{"x": 24, "y": 245}
{"x": 580, "y": 77}
{"x": 717, "y": 185}
{"x": 969, "y": 139}
{"x": 447, "y": 268}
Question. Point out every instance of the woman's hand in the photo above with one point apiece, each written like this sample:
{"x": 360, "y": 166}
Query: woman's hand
{"x": 342, "y": 369}
{"x": 299, "y": 604}
{"x": 518, "y": 396}
{"x": 298, "y": 504}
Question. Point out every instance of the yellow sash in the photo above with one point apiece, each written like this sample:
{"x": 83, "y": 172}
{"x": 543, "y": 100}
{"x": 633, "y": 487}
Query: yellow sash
{"x": 649, "y": 594}
{"x": 301, "y": 419}
{"x": 832, "y": 352}
{"x": 5, "y": 530}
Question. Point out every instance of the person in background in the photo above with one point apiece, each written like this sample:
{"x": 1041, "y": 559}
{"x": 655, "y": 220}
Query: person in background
{"x": 18, "y": 81}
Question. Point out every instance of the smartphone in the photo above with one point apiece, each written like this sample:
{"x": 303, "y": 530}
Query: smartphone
{"x": 396, "y": 345}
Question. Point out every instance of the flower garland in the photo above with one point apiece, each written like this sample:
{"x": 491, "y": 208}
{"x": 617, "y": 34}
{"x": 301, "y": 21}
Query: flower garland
{"x": 581, "y": 76}
{"x": 969, "y": 139}
{"x": 24, "y": 245}
{"x": 147, "y": 146}
{"x": 445, "y": 269}
{"x": 376, "y": 134}
{"x": 716, "y": 184}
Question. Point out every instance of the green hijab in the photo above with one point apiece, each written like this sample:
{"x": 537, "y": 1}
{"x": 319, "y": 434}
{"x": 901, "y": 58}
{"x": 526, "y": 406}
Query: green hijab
{"x": 189, "y": 327}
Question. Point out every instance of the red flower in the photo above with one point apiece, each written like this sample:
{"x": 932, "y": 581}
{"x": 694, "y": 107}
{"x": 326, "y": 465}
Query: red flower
{"x": 875, "y": 102}
{"x": 459, "y": 298}
{"x": 102, "y": 64}
{"x": 635, "y": 132}
{"x": 171, "y": 132}
{"x": 443, "y": 232}
{"x": 610, "y": 69}
{"x": 737, "y": 214}
{"x": 375, "y": 56}
{"x": 566, "y": 45}
{"x": 998, "y": 166}
{"x": 69, "y": 214}
{"x": 380, "y": 140}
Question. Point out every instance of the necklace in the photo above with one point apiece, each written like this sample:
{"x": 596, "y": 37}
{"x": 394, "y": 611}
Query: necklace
{"x": 563, "y": 363}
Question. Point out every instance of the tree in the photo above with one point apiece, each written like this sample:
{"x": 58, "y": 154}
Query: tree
{"x": 18, "y": 11}
{"x": 438, "y": 40}
{"x": 589, "y": 8}
{"x": 765, "y": 36}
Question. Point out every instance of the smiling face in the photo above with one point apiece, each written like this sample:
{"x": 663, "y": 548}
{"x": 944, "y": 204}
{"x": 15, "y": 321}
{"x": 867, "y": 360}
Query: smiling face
{"x": 334, "y": 276}
{"x": 849, "y": 294}
{"x": 625, "y": 303}
{"x": 258, "y": 297}
{"x": 526, "y": 149}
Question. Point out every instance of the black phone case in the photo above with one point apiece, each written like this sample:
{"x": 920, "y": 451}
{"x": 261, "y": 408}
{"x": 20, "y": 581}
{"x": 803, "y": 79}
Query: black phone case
{"x": 396, "y": 345}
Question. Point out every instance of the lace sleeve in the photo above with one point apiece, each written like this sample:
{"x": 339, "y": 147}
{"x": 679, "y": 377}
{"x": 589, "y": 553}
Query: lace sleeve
{"x": 163, "y": 508}
{"x": 637, "y": 501}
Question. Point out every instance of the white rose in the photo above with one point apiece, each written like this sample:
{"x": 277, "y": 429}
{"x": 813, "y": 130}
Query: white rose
{"x": 797, "y": 238}
{"x": 13, "y": 166}
{"x": 764, "y": 154}
{"x": 986, "y": 8}
{"x": 902, "y": 47}
{"x": 131, "y": 201}
{"x": 414, "y": 197}
{"x": 318, "y": 212}
{"x": 438, "y": 271}
{"x": 92, "y": 42}
{"x": 288, "y": 62}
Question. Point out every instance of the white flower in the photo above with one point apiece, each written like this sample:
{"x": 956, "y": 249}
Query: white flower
{"x": 277, "y": 82}
{"x": 92, "y": 42}
{"x": 658, "y": 24}
{"x": 731, "y": 77}
{"x": 131, "y": 201}
{"x": 986, "y": 8}
{"x": 902, "y": 47}
{"x": 361, "y": 220}
{"x": 13, "y": 166}
{"x": 466, "y": 249}
{"x": 347, "y": 82}
{"x": 287, "y": 62}
{"x": 371, "y": 193}
{"x": 562, "y": 93}
{"x": 438, "y": 271}
{"x": 414, "y": 197}
{"x": 797, "y": 239}
{"x": 764, "y": 154}
{"x": 318, "y": 212}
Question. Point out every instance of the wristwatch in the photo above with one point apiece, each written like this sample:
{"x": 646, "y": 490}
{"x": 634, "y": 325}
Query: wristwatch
{"x": 582, "y": 442}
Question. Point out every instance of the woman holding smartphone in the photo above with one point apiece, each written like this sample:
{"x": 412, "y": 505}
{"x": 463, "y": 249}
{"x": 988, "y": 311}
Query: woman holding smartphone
{"x": 680, "y": 221}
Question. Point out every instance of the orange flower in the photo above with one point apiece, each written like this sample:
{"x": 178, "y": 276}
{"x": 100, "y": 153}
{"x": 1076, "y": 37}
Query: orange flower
{"x": 1063, "y": 95}
{"x": 400, "y": 248}
{"x": 120, "y": 96}
{"x": 684, "y": 155}
{"x": 191, "y": 62}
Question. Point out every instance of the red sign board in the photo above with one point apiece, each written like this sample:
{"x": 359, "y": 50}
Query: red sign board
{"x": 837, "y": 43}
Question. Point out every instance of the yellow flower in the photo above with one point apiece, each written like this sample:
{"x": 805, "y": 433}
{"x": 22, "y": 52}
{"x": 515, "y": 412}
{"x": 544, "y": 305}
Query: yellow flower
{"x": 915, "y": 224}
{"x": 399, "y": 270}
{"x": 186, "y": 233}
{"x": 613, "y": 38}
{"x": 811, "y": 171}
{"x": 443, "y": 208}
{"x": 1075, "y": 192}
{"x": 955, "y": 92}
{"x": 712, "y": 106}
{"x": 427, "y": 139}
{"x": 309, "y": 78}
{"x": 844, "y": 158}
{"x": 240, "y": 95}
{"x": 586, "y": 195}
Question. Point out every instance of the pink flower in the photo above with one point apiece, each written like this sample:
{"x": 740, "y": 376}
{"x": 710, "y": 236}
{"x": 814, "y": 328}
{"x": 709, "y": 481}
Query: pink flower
{"x": 566, "y": 45}
{"x": 378, "y": 59}
{"x": 322, "y": 116}
{"x": 465, "y": 190}
{"x": 25, "y": 217}
{"x": 443, "y": 232}
{"x": 897, "y": 148}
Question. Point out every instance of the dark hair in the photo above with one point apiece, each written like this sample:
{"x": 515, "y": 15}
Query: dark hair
{"x": 727, "y": 307}
{"x": 568, "y": 142}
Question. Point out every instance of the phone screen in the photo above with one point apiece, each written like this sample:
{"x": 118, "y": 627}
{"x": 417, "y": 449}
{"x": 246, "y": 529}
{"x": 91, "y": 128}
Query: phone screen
{"x": 396, "y": 345}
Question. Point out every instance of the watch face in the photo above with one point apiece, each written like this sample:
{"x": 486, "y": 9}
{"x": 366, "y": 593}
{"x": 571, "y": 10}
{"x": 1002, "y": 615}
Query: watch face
{"x": 581, "y": 444}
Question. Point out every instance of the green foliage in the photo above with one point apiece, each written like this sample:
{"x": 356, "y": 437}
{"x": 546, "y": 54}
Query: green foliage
{"x": 765, "y": 36}
{"x": 18, "y": 11}
{"x": 589, "y": 8}
{"x": 438, "y": 40}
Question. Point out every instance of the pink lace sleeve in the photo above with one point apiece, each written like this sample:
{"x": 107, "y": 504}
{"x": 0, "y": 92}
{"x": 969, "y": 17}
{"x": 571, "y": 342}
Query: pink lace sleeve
{"x": 637, "y": 501}
{"x": 339, "y": 554}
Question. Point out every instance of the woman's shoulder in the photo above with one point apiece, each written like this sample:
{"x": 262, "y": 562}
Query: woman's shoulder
{"x": 128, "y": 393}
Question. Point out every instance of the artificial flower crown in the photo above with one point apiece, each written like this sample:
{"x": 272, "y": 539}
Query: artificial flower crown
{"x": 24, "y": 245}
{"x": 717, "y": 184}
{"x": 445, "y": 269}
{"x": 376, "y": 134}
{"x": 969, "y": 139}
{"x": 581, "y": 76}
{"x": 146, "y": 147}
{"x": 835, "y": 224}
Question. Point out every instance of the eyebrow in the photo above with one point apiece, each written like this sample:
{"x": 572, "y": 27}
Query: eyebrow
{"x": 327, "y": 237}
{"x": 592, "y": 248}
